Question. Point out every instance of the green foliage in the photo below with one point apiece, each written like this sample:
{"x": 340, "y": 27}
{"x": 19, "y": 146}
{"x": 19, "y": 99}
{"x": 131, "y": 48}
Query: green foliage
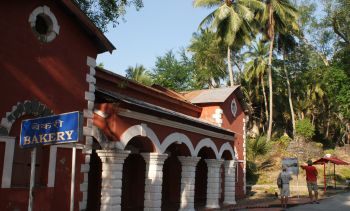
{"x": 337, "y": 84}
{"x": 251, "y": 172}
{"x": 257, "y": 146}
{"x": 208, "y": 56}
{"x": 329, "y": 151}
{"x": 104, "y": 12}
{"x": 305, "y": 129}
{"x": 344, "y": 172}
{"x": 101, "y": 65}
{"x": 173, "y": 73}
{"x": 319, "y": 145}
{"x": 283, "y": 141}
{"x": 139, "y": 74}
{"x": 231, "y": 20}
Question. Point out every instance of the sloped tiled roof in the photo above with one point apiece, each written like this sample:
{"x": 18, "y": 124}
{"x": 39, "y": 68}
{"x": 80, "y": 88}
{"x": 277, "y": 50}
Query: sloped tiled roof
{"x": 148, "y": 107}
{"x": 218, "y": 95}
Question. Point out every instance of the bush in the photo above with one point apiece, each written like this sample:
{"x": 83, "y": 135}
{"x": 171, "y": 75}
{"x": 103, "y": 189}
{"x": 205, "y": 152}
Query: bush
{"x": 283, "y": 141}
{"x": 257, "y": 146}
{"x": 304, "y": 129}
{"x": 329, "y": 151}
{"x": 251, "y": 172}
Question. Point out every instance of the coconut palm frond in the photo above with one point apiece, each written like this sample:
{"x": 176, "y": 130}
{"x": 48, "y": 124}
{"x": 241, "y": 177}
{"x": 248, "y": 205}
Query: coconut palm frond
{"x": 245, "y": 13}
{"x": 208, "y": 20}
{"x": 207, "y": 3}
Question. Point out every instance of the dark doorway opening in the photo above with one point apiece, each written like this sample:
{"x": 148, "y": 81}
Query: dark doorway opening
{"x": 95, "y": 180}
{"x": 171, "y": 184}
{"x": 200, "y": 190}
{"x": 133, "y": 189}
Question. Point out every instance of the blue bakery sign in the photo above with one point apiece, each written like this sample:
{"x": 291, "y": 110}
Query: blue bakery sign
{"x": 56, "y": 129}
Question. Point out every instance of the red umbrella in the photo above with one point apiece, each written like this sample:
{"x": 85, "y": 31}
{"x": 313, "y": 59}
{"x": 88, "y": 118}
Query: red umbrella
{"x": 335, "y": 161}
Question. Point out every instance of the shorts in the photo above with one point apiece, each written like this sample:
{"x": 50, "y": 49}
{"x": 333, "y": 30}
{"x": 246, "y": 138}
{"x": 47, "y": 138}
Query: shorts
{"x": 285, "y": 190}
{"x": 312, "y": 186}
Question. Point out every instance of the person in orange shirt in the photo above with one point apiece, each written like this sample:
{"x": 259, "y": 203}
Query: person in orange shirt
{"x": 311, "y": 180}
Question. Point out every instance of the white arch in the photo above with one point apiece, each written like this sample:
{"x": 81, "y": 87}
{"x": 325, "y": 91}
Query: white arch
{"x": 206, "y": 142}
{"x": 227, "y": 146}
{"x": 177, "y": 137}
{"x": 140, "y": 130}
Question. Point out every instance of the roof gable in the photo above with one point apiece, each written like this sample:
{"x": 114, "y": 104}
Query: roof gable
{"x": 97, "y": 36}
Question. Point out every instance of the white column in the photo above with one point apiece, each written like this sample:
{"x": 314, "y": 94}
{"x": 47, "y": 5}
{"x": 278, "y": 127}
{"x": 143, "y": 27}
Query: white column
{"x": 188, "y": 176}
{"x": 213, "y": 184}
{"x": 230, "y": 171}
{"x": 112, "y": 175}
{"x": 154, "y": 180}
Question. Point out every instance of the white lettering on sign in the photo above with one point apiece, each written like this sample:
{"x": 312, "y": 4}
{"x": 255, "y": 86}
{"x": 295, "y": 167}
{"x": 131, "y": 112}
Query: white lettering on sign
{"x": 48, "y": 137}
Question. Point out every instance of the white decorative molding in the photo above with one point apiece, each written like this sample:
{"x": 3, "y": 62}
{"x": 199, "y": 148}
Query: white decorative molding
{"x": 207, "y": 142}
{"x": 54, "y": 29}
{"x": 172, "y": 124}
{"x": 188, "y": 178}
{"x": 27, "y": 107}
{"x": 52, "y": 166}
{"x": 245, "y": 123}
{"x": 234, "y": 107}
{"x": 101, "y": 113}
{"x": 88, "y": 129}
{"x": 213, "y": 183}
{"x": 217, "y": 116}
{"x": 153, "y": 180}
{"x": 237, "y": 161}
{"x": 140, "y": 130}
{"x": 230, "y": 183}
{"x": 226, "y": 146}
{"x": 8, "y": 160}
{"x": 112, "y": 177}
{"x": 179, "y": 138}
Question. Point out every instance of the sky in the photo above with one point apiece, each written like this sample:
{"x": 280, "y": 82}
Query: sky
{"x": 160, "y": 26}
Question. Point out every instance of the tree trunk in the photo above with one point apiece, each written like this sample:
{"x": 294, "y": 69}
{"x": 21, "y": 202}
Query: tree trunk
{"x": 229, "y": 66}
{"x": 269, "y": 130}
{"x": 265, "y": 98}
{"x": 328, "y": 122}
{"x": 289, "y": 93}
{"x": 271, "y": 35}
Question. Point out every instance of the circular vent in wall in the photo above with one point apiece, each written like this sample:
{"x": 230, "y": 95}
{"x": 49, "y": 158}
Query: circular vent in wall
{"x": 44, "y": 24}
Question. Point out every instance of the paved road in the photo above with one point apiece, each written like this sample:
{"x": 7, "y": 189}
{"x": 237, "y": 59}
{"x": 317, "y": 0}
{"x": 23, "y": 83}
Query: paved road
{"x": 337, "y": 202}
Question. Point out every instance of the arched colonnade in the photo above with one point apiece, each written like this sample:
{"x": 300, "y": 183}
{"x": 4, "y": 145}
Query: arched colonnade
{"x": 176, "y": 155}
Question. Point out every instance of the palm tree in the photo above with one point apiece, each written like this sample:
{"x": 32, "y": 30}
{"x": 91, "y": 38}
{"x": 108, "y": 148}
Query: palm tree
{"x": 258, "y": 54}
{"x": 280, "y": 16}
{"x": 139, "y": 74}
{"x": 208, "y": 59}
{"x": 286, "y": 43}
{"x": 231, "y": 22}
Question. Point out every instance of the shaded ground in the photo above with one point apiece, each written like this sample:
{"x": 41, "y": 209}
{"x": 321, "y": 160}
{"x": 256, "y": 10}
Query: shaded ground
{"x": 266, "y": 201}
{"x": 339, "y": 202}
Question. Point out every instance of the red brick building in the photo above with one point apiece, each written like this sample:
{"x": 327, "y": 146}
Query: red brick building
{"x": 143, "y": 147}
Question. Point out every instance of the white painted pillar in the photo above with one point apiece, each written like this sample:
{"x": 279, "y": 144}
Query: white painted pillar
{"x": 213, "y": 184}
{"x": 230, "y": 183}
{"x": 188, "y": 176}
{"x": 154, "y": 180}
{"x": 112, "y": 175}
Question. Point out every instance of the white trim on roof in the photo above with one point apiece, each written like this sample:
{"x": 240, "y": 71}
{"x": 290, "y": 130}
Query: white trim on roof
{"x": 172, "y": 124}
